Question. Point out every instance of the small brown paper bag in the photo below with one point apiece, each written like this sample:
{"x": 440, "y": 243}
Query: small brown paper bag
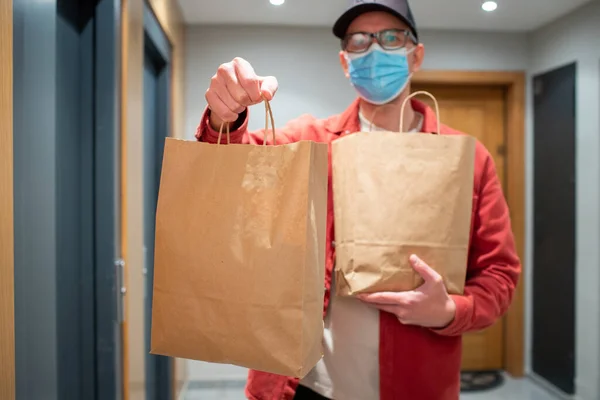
{"x": 398, "y": 194}
{"x": 240, "y": 254}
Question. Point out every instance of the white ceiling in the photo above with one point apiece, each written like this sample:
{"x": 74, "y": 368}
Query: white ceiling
{"x": 511, "y": 15}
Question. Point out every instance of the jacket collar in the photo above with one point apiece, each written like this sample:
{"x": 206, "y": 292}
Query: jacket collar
{"x": 347, "y": 122}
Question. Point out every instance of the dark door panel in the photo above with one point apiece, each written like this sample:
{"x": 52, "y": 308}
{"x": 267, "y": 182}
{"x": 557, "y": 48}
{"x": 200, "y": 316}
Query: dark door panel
{"x": 554, "y": 228}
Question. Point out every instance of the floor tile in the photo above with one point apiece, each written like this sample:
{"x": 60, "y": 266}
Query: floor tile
{"x": 513, "y": 389}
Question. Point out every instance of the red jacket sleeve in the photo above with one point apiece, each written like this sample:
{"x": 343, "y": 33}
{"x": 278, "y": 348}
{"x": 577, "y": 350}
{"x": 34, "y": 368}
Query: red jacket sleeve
{"x": 494, "y": 266}
{"x": 294, "y": 131}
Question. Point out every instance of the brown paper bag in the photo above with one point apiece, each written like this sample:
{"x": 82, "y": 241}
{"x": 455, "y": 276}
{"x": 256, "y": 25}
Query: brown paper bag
{"x": 240, "y": 254}
{"x": 398, "y": 194}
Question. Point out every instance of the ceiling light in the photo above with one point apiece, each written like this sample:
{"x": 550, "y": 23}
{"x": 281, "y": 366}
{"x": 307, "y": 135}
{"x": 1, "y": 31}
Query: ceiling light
{"x": 277, "y": 2}
{"x": 489, "y": 6}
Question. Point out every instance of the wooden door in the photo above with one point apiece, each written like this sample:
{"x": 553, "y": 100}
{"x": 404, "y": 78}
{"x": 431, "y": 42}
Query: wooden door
{"x": 7, "y": 306}
{"x": 479, "y": 111}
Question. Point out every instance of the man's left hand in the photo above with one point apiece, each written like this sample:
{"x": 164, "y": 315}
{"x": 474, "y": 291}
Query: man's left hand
{"x": 428, "y": 306}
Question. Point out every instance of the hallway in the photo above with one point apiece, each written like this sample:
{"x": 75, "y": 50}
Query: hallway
{"x": 95, "y": 303}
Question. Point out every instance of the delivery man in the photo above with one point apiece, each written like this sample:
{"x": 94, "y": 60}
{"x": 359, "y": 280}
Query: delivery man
{"x": 388, "y": 346}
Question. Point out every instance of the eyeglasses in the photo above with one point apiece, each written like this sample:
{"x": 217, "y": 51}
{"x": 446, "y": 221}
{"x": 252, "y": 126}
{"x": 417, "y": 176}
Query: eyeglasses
{"x": 388, "y": 39}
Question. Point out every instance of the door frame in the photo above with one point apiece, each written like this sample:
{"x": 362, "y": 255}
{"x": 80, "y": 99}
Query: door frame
{"x": 159, "y": 49}
{"x": 109, "y": 265}
{"x": 7, "y": 307}
{"x": 169, "y": 15}
{"x": 514, "y": 84}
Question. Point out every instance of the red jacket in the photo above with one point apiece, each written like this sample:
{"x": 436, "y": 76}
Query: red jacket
{"x": 415, "y": 363}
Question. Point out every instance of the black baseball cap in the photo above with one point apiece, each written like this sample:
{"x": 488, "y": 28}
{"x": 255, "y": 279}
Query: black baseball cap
{"x": 398, "y": 8}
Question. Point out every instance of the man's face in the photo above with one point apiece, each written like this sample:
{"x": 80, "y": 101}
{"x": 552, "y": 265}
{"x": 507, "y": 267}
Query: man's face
{"x": 376, "y": 21}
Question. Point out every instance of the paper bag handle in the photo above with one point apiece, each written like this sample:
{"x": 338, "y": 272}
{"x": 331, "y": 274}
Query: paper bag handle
{"x": 221, "y": 134}
{"x": 269, "y": 115}
{"x": 437, "y": 108}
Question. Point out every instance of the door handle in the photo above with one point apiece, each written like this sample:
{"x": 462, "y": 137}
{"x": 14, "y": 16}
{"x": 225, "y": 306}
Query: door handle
{"x": 121, "y": 289}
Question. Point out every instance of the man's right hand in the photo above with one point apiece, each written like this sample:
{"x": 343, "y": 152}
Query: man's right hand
{"x": 235, "y": 87}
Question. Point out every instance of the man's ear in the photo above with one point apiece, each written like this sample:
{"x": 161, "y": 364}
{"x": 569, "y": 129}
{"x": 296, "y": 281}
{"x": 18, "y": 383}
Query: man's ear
{"x": 344, "y": 63}
{"x": 418, "y": 55}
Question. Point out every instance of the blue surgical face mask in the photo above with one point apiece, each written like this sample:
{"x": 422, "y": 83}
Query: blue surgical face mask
{"x": 379, "y": 76}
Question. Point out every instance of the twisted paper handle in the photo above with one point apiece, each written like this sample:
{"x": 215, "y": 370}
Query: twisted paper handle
{"x": 221, "y": 134}
{"x": 437, "y": 108}
{"x": 268, "y": 117}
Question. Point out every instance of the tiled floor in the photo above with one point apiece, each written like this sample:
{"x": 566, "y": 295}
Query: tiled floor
{"x": 523, "y": 389}
{"x": 512, "y": 389}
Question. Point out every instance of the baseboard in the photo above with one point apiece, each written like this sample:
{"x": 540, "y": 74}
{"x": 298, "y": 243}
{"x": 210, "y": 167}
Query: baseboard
{"x": 550, "y": 387}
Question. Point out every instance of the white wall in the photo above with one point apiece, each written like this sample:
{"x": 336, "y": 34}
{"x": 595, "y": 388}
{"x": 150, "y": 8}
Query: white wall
{"x": 306, "y": 63}
{"x": 577, "y": 38}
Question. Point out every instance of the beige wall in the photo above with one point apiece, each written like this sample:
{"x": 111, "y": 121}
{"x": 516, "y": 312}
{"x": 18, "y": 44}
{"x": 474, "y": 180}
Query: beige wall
{"x": 7, "y": 320}
{"x": 170, "y": 17}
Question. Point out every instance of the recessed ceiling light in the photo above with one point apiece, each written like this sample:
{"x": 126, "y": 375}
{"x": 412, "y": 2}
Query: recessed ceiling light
{"x": 277, "y": 2}
{"x": 489, "y": 6}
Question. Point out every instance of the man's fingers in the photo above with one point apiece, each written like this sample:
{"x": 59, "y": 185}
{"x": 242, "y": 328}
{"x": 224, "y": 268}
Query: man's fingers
{"x": 248, "y": 80}
{"x": 223, "y": 94}
{"x": 268, "y": 87}
{"x": 424, "y": 270}
{"x": 235, "y": 87}
{"x": 400, "y": 299}
{"x": 380, "y": 298}
{"x": 219, "y": 108}
{"x": 227, "y": 75}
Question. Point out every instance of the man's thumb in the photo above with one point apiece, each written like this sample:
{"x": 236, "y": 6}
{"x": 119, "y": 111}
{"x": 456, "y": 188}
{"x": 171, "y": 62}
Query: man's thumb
{"x": 268, "y": 87}
{"x": 426, "y": 272}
